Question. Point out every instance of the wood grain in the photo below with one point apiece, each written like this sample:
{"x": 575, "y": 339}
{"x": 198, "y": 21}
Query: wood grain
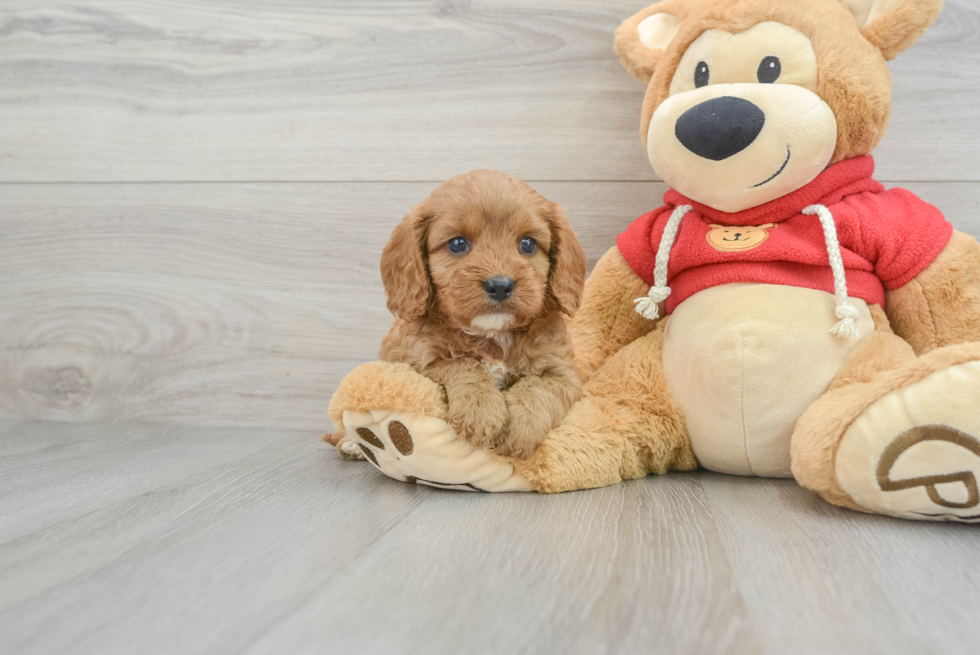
{"x": 228, "y": 304}
{"x": 143, "y": 90}
{"x": 808, "y": 566}
{"x": 223, "y": 304}
{"x": 263, "y": 541}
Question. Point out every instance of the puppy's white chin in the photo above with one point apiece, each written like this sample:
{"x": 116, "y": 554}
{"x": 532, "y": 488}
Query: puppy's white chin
{"x": 496, "y": 322}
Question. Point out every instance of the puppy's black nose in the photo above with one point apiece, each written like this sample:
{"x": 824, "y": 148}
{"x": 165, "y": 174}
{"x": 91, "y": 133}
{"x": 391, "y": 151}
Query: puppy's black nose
{"x": 499, "y": 288}
{"x": 719, "y": 128}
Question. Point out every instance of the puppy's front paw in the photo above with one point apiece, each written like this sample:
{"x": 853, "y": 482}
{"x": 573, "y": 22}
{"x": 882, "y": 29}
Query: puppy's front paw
{"x": 529, "y": 425}
{"x": 523, "y": 439}
{"x": 482, "y": 425}
{"x": 521, "y": 446}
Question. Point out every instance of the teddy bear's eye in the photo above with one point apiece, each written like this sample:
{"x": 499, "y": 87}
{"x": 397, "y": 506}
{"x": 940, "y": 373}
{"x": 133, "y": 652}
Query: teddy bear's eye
{"x": 458, "y": 246}
{"x": 769, "y": 70}
{"x": 702, "y": 74}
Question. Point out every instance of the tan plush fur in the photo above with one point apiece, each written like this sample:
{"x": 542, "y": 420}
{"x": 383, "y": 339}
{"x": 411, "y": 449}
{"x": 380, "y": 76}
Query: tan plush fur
{"x": 507, "y": 384}
{"x": 898, "y": 29}
{"x": 941, "y": 306}
{"x": 639, "y": 60}
{"x": 606, "y": 321}
{"x": 392, "y": 386}
{"x": 625, "y": 427}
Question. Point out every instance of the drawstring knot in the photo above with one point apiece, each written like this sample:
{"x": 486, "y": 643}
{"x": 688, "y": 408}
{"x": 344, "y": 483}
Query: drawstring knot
{"x": 647, "y": 306}
{"x": 847, "y": 328}
{"x": 847, "y": 313}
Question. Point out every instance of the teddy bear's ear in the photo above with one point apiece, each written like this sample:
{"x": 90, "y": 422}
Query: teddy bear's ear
{"x": 893, "y": 25}
{"x": 642, "y": 39}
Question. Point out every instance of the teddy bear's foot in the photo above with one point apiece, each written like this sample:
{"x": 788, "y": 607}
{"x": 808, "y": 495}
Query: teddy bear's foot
{"x": 914, "y": 452}
{"x": 425, "y": 450}
{"x": 394, "y": 418}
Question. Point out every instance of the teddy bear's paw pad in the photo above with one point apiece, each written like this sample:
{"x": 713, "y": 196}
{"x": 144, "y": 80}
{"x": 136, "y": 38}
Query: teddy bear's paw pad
{"x": 425, "y": 450}
{"x": 915, "y": 453}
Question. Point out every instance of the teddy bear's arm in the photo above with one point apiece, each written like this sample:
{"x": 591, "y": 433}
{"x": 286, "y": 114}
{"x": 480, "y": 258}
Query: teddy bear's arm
{"x": 606, "y": 320}
{"x": 940, "y": 306}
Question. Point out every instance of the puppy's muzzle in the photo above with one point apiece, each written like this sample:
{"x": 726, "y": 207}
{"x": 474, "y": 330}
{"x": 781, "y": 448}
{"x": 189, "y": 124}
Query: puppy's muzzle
{"x": 499, "y": 288}
{"x": 720, "y": 128}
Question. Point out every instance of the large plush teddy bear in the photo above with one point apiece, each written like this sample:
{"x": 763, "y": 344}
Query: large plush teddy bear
{"x": 782, "y": 315}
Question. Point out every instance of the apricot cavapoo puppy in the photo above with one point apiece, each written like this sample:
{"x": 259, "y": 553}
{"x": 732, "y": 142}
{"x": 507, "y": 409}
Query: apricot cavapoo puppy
{"x": 480, "y": 277}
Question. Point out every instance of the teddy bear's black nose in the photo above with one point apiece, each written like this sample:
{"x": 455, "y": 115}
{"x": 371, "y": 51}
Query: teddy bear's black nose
{"x": 719, "y": 128}
{"x": 499, "y": 288}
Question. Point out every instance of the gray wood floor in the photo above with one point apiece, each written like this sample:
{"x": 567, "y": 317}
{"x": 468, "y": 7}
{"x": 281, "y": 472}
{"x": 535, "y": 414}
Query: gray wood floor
{"x": 220, "y": 540}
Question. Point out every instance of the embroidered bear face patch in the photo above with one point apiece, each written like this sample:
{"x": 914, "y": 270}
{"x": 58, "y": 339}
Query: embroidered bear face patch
{"x": 736, "y": 238}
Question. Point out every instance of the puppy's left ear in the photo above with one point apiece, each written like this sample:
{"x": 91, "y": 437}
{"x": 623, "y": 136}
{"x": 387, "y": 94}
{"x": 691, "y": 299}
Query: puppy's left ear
{"x": 567, "y": 276}
{"x": 404, "y": 269}
{"x": 893, "y": 25}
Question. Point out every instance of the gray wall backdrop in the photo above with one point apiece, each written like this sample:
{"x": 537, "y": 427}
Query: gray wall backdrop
{"x": 194, "y": 194}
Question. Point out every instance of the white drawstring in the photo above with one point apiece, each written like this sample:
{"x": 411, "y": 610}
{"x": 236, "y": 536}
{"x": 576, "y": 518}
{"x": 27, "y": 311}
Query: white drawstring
{"x": 647, "y": 307}
{"x": 847, "y": 313}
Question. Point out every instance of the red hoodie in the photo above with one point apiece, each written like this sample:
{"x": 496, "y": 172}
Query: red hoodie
{"x": 886, "y": 238}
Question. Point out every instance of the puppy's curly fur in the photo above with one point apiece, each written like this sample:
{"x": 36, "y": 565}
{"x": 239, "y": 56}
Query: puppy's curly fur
{"x": 506, "y": 366}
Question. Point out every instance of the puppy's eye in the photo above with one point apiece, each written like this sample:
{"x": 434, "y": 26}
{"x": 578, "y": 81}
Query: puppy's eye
{"x": 769, "y": 70}
{"x": 702, "y": 74}
{"x": 458, "y": 246}
{"x": 529, "y": 246}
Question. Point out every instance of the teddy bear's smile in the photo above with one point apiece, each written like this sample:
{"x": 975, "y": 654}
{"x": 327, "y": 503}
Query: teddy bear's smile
{"x": 782, "y": 168}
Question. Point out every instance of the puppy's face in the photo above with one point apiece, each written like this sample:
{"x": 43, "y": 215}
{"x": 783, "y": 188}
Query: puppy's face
{"x": 489, "y": 258}
{"x": 487, "y": 252}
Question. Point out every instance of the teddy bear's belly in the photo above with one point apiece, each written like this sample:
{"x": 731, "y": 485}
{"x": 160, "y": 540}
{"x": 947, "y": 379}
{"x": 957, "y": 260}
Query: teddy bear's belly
{"x": 744, "y": 361}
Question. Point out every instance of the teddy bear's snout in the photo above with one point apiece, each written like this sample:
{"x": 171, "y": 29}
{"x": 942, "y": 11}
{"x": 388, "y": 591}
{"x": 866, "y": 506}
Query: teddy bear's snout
{"x": 720, "y": 128}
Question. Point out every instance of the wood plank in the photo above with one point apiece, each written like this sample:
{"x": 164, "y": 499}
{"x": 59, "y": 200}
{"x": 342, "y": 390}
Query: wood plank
{"x": 227, "y": 304}
{"x": 782, "y": 540}
{"x": 114, "y": 463}
{"x": 615, "y": 570}
{"x": 286, "y": 548}
{"x": 104, "y": 90}
{"x": 197, "y": 561}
